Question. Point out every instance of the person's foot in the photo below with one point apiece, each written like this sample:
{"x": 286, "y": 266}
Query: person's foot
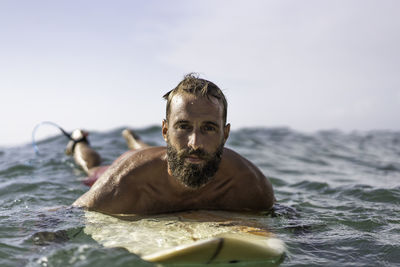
{"x": 132, "y": 140}
{"x": 77, "y": 135}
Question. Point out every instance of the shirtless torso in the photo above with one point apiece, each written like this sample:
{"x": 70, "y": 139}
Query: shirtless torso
{"x": 139, "y": 182}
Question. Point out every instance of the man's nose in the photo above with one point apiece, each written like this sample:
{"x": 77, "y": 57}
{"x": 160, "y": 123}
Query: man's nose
{"x": 195, "y": 140}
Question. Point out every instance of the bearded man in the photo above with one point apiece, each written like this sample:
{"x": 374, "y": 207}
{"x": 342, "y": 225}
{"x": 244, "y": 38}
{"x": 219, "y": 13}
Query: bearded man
{"x": 193, "y": 172}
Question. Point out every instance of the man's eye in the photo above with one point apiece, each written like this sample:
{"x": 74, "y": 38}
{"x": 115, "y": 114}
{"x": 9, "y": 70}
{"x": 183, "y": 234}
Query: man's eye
{"x": 183, "y": 126}
{"x": 209, "y": 128}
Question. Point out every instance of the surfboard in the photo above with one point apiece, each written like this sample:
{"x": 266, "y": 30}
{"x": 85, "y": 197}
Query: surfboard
{"x": 195, "y": 237}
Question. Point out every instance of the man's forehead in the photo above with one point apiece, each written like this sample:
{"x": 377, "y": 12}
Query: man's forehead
{"x": 188, "y": 104}
{"x": 188, "y": 99}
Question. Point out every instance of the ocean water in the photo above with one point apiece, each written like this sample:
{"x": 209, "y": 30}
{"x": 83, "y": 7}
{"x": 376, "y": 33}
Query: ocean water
{"x": 338, "y": 198}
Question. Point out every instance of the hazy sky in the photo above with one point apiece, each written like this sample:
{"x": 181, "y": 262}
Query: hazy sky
{"x": 308, "y": 65}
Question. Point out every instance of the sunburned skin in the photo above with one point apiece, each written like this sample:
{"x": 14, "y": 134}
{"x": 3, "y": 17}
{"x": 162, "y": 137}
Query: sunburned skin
{"x": 142, "y": 182}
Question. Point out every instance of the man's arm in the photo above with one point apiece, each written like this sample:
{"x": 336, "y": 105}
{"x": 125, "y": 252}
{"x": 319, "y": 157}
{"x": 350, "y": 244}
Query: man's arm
{"x": 253, "y": 188}
{"x": 107, "y": 194}
{"x": 264, "y": 187}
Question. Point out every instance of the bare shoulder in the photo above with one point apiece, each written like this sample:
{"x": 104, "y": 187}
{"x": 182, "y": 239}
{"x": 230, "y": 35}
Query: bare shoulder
{"x": 236, "y": 163}
{"x": 140, "y": 163}
{"x": 114, "y": 191}
{"x": 132, "y": 161}
{"x": 251, "y": 186}
{"x": 145, "y": 154}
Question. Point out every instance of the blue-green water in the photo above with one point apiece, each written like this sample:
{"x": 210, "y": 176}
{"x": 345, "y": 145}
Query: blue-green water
{"x": 338, "y": 195}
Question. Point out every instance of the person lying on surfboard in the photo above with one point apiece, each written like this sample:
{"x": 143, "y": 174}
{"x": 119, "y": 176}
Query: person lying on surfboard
{"x": 194, "y": 171}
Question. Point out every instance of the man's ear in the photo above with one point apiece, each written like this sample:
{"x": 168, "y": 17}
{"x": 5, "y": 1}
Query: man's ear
{"x": 227, "y": 129}
{"x": 165, "y": 129}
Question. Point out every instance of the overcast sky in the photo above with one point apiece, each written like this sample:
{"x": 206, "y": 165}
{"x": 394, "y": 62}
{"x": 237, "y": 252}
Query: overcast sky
{"x": 98, "y": 65}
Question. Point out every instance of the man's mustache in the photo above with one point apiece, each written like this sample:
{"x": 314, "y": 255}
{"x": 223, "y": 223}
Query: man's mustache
{"x": 200, "y": 153}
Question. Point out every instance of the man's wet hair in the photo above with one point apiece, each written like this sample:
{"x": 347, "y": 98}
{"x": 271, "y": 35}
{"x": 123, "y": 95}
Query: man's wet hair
{"x": 192, "y": 84}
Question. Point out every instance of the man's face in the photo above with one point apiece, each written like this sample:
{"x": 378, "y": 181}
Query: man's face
{"x": 195, "y": 136}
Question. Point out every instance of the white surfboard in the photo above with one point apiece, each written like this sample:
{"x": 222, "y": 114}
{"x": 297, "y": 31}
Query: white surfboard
{"x": 188, "y": 237}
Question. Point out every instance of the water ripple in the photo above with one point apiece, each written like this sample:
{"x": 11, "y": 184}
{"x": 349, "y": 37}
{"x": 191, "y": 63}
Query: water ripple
{"x": 338, "y": 197}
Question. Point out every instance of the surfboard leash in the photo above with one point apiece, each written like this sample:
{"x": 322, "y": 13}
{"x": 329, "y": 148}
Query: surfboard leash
{"x": 65, "y": 133}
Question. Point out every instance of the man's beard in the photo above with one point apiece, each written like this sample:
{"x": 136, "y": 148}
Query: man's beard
{"x": 193, "y": 175}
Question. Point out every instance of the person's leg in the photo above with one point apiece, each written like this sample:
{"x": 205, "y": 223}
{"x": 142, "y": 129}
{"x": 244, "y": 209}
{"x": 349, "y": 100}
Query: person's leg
{"x": 132, "y": 140}
{"x": 84, "y": 156}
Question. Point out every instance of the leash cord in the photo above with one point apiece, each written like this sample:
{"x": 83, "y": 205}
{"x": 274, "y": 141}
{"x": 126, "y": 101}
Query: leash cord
{"x": 35, "y": 147}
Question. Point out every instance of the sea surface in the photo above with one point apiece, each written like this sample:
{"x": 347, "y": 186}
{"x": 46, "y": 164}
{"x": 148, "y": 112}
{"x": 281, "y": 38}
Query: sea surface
{"x": 338, "y": 198}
